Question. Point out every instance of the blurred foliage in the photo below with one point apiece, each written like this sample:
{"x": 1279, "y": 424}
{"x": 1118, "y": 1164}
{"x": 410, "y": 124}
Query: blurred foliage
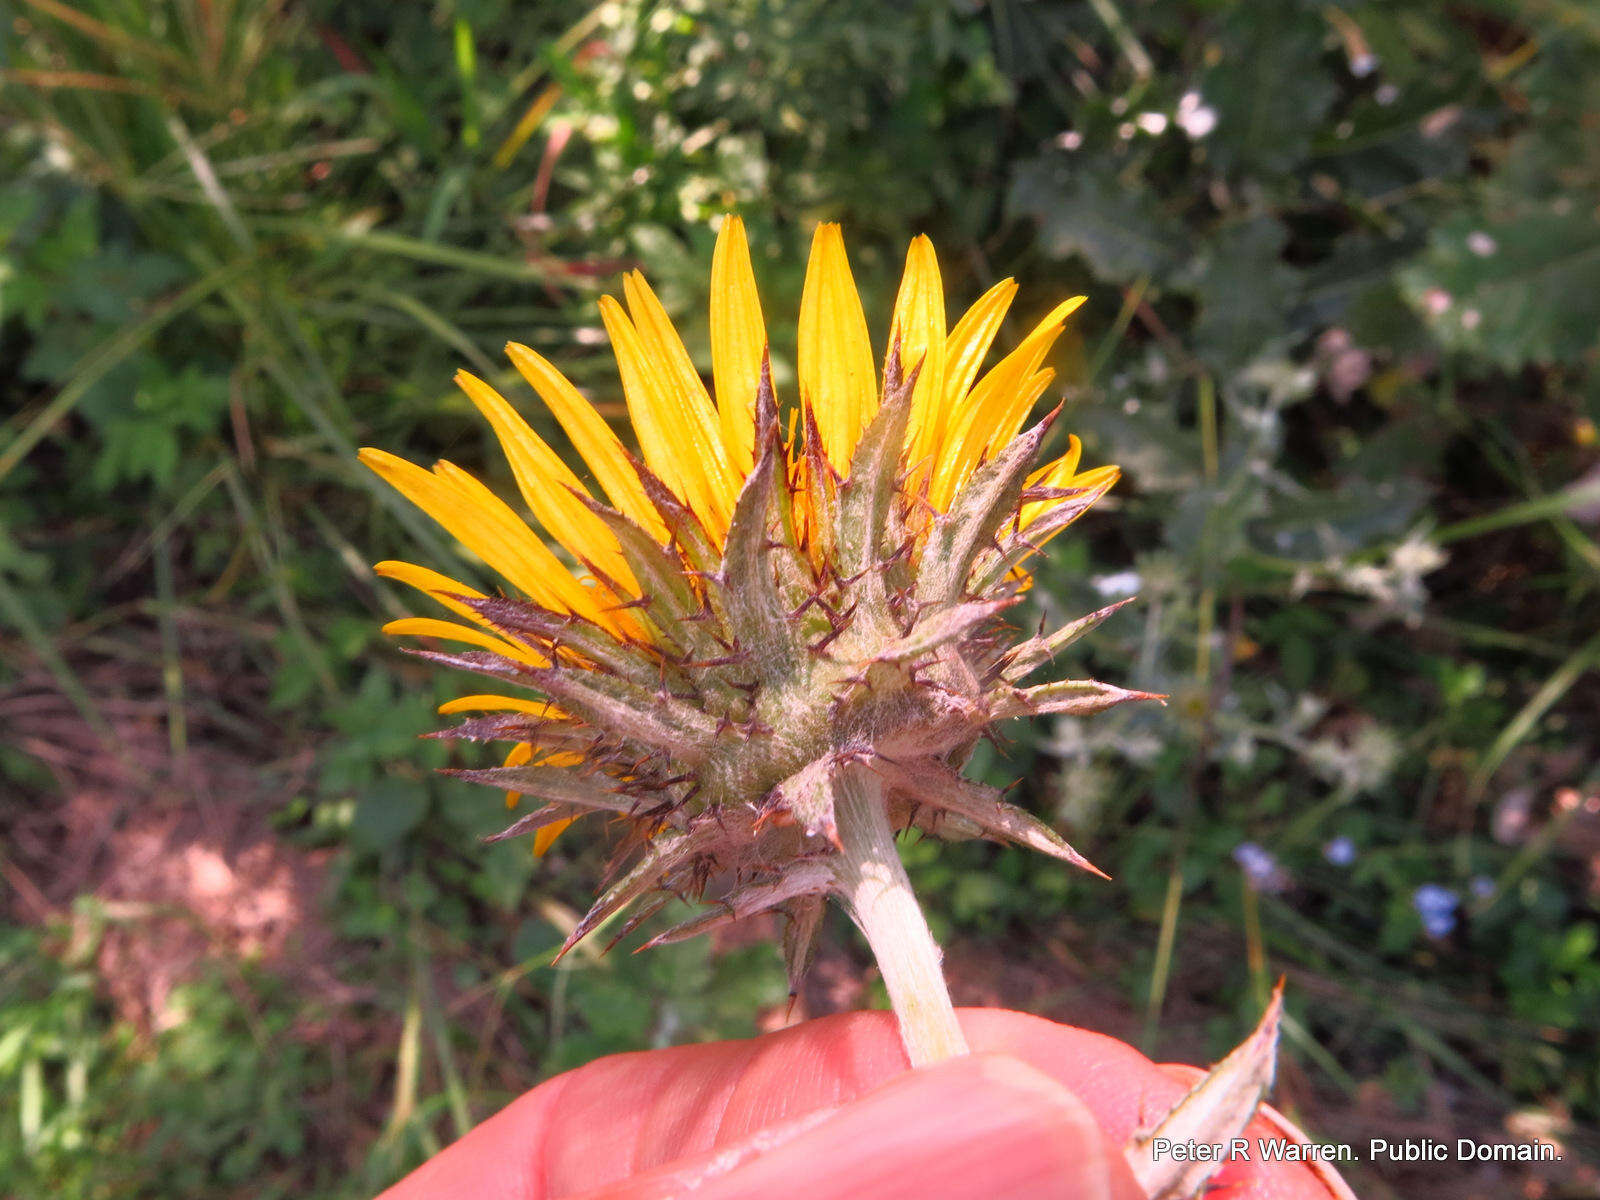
{"x": 1343, "y": 263}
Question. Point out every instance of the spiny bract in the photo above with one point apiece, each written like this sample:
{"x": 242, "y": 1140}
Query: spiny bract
{"x": 769, "y": 611}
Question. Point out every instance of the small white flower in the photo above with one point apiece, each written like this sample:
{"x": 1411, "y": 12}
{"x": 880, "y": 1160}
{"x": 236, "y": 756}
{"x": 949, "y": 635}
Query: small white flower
{"x": 1121, "y": 583}
{"x": 1153, "y": 123}
{"x": 1481, "y": 243}
{"x": 1195, "y": 117}
{"x": 1416, "y": 557}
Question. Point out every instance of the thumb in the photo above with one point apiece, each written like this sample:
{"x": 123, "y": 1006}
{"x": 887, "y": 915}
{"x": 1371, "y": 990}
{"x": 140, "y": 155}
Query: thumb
{"x": 977, "y": 1126}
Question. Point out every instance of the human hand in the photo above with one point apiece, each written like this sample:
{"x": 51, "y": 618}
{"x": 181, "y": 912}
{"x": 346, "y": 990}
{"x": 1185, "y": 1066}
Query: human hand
{"x": 829, "y": 1110}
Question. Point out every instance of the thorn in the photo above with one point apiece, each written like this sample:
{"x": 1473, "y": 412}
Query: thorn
{"x": 820, "y": 646}
{"x": 738, "y": 657}
{"x": 1091, "y": 868}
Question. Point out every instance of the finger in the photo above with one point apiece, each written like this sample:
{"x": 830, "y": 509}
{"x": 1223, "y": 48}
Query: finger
{"x": 1128, "y": 1093}
{"x": 634, "y": 1112}
{"x": 501, "y": 1159}
{"x": 630, "y": 1113}
{"x": 974, "y": 1127}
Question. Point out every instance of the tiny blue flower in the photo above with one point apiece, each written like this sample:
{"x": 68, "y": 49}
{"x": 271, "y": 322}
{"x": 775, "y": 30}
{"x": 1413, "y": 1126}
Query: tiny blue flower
{"x": 1341, "y": 851}
{"x": 1260, "y": 867}
{"x": 1436, "y": 905}
{"x": 1439, "y": 925}
{"x": 1483, "y": 886}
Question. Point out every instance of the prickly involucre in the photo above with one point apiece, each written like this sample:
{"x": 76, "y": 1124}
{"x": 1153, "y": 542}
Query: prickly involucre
{"x": 771, "y": 615}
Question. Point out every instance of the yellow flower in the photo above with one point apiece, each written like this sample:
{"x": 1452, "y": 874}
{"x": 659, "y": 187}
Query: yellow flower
{"x": 728, "y": 622}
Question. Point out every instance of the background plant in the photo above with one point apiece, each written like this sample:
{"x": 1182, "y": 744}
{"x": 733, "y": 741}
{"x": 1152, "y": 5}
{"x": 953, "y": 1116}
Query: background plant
{"x": 1342, "y": 263}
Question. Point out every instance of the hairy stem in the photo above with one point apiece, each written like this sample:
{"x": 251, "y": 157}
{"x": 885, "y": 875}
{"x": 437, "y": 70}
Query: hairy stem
{"x": 871, "y": 882}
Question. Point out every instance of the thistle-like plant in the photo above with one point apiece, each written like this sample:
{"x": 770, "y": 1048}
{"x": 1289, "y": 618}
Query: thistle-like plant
{"x": 775, "y": 642}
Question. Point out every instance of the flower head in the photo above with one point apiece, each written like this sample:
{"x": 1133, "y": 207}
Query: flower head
{"x": 768, "y": 612}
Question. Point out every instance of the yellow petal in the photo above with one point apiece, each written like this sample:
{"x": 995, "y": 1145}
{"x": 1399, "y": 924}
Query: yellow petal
{"x": 438, "y": 587}
{"x": 483, "y": 523}
{"x": 548, "y": 486}
{"x": 695, "y": 430}
{"x": 493, "y": 703}
{"x": 1054, "y": 474}
{"x": 545, "y": 837}
{"x": 517, "y": 757}
{"x": 1027, "y": 396}
{"x": 1106, "y": 475}
{"x": 993, "y": 411}
{"x": 970, "y": 340}
{"x": 451, "y": 632}
{"x": 738, "y": 341}
{"x": 521, "y": 754}
{"x": 593, "y": 439}
{"x": 481, "y": 529}
{"x": 837, "y": 381}
{"x": 1006, "y": 418}
{"x": 559, "y": 588}
{"x": 919, "y": 328}
{"x": 1063, "y": 473}
{"x": 676, "y": 445}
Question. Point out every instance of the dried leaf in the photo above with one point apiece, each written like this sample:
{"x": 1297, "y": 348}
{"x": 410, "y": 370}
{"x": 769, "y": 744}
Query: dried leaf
{"x": 1215, "y": 1110}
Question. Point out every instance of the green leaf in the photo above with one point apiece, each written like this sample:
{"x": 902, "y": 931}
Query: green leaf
{"x": 1521, "y": 290}
{"x": 1246, "y": 292}
{"x": 1269, "y": 88}
{"x": 1121, "y": 231}
{"x": 386, "y": 812}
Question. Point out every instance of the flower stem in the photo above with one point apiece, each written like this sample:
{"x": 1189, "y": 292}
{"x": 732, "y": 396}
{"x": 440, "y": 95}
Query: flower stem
{"x": 872, "y": 883}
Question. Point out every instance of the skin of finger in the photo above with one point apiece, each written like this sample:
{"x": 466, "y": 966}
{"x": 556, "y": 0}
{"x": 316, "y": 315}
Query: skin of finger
{"x": 620, "y": 1116}
{"x": 967, "y": 1129}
